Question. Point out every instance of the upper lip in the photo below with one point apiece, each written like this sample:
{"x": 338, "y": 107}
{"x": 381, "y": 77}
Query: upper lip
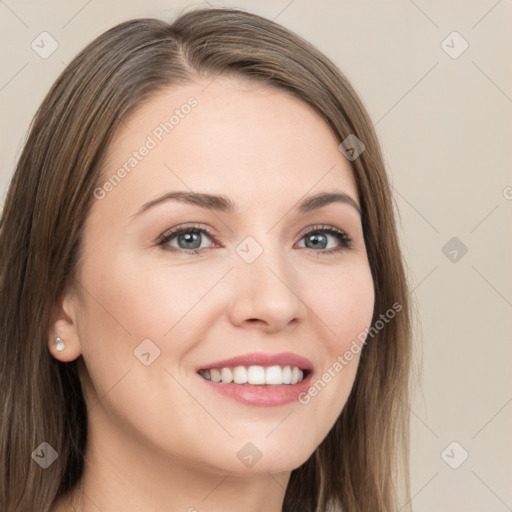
{"x": 262, "y": 359}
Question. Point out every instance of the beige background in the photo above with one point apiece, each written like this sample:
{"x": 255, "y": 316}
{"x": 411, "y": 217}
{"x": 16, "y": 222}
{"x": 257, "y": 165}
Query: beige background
{"x": 445, "y": 125}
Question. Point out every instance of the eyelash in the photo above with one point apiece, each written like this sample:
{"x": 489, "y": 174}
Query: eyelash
{"x": 345, "y": 240}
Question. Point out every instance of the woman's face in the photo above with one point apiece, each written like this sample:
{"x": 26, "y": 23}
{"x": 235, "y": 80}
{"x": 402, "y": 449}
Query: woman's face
{"x": 262, "y": 278}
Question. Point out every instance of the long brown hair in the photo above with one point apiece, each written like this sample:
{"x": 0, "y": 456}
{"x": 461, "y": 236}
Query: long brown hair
{"x": 362, "y": 464}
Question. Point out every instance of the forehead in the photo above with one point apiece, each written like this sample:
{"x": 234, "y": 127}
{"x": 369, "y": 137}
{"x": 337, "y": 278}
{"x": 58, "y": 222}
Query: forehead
{"x": 228, "y": 136}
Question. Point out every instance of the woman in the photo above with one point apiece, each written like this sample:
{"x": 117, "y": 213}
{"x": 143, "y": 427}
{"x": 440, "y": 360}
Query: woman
{"x": 203, "y": 298}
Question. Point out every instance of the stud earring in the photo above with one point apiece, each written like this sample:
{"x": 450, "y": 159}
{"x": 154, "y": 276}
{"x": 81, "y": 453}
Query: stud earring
{"x": 58, "y": 344}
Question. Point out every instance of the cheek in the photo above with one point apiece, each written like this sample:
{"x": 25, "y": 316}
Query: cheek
{"x": 127, "y": 304}
{"x": 343, "y": 303}
{"x": 115, "y": 319}
{"x": 344, "y": 307}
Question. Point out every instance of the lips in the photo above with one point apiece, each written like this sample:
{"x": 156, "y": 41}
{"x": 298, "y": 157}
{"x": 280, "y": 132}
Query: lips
{"x": 280, "y": 381}
{"x": 262, "y": 359}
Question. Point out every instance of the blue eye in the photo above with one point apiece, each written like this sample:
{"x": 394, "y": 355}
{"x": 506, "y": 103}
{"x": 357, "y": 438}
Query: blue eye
{"x": 189, "y": 239}
{"x": 318, "y": 236}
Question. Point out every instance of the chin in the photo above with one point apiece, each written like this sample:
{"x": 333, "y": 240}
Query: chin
{"x": 279, "y": 458}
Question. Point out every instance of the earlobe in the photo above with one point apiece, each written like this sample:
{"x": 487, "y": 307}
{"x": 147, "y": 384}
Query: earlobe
{"x": 64, "y": 342}
{"x": 63, "y": 352}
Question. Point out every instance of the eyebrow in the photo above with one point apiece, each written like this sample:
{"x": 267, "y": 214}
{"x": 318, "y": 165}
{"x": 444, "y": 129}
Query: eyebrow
{"x": 224, "y": 204}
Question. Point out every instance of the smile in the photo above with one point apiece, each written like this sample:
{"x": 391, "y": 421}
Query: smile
{"x": 256, "y": 375}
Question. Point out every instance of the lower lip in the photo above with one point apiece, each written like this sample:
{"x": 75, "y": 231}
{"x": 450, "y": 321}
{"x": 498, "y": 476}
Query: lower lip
{"x": 261, "y": 395}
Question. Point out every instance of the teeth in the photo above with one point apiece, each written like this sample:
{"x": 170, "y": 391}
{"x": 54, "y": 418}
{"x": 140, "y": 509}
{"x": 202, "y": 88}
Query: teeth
{"x": 273, "y": 375}
{"x": 227, "y": 375}
{"x": 215, "y": 375}
{"x": 240, "y": 375}
{"x": 255, "y": 375}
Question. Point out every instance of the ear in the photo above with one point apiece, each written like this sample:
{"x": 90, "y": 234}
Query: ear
{"x": 63, "y": 324}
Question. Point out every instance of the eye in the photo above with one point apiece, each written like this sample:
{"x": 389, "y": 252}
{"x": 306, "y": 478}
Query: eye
{"x": 317, "y": 237}
{"x": 189, "y": 239}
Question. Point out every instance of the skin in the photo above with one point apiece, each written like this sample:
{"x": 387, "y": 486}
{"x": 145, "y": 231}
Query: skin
{"x": 159, "y": 437}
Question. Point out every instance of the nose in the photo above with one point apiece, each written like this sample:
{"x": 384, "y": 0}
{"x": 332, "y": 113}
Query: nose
{"x": 266, "y": 293}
